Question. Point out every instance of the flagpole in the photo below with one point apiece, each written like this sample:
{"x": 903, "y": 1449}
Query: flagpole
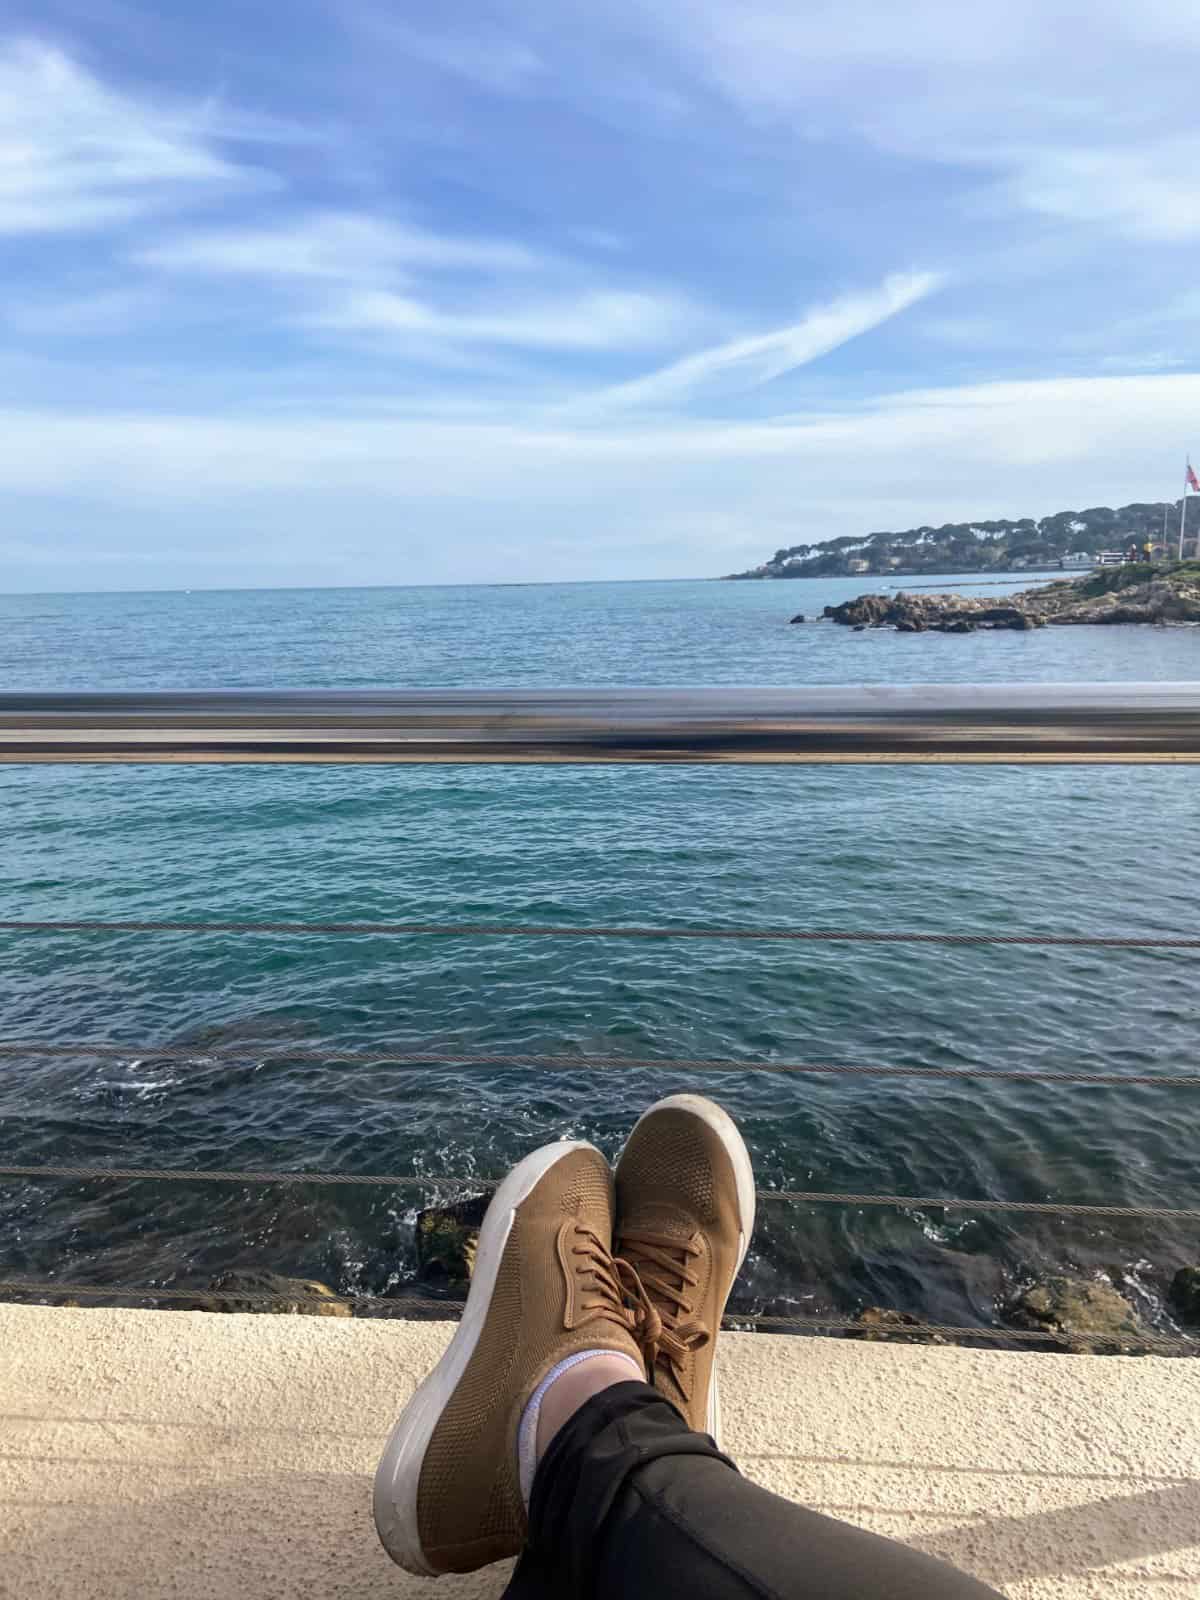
{"x": 1183, "y": 510}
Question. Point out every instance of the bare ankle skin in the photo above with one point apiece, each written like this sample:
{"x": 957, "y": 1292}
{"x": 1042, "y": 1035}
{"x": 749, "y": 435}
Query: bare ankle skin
{"x": 565, "y": 1396}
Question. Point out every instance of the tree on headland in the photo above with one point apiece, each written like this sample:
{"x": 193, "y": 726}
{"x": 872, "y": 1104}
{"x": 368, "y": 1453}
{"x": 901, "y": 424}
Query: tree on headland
{"x": 993, "y": 544}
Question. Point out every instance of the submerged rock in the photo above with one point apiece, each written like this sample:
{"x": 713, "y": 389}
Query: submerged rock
{"x": 874, "y": 1318}
{"x": 306, "y": 1297}
{"x": 1185, "y": 1293}
{"x": 446, "y": 1238}
{"x": 1091, "y": 1315}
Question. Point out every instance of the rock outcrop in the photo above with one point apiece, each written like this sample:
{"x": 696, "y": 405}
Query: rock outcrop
{"x": 876, "y": 1322}
{"x": 1185, "y": 1294}
{"x": 242, "y": 1291}
{"x": 1114, "y": 595}
{"x": 1089, "y": 1314}
{"x": 938, "y": 613}
{"x": 446, "y": 1237}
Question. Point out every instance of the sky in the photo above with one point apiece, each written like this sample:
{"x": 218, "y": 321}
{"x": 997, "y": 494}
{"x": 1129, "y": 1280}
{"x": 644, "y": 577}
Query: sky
{"x": 363, "y": 293}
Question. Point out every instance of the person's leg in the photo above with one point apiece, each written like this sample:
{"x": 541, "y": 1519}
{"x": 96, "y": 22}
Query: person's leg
{"x": 535, "y": 1427}
{"x": 631, "y": 1496}
{"x": 628, "y": 1502}
{"x": 685, "y": 1213}
{"x": 546, "y": 1322}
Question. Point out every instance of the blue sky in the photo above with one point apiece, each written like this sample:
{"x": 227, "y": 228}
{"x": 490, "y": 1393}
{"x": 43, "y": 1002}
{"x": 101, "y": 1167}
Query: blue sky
{"x": 365, "y": 293}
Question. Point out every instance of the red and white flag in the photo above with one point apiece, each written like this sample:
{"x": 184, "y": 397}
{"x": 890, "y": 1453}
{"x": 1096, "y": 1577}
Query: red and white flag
{"x": 1192, "y": 481}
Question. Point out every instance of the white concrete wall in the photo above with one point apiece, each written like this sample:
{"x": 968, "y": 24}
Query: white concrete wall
{"x": 187, "y": 1454}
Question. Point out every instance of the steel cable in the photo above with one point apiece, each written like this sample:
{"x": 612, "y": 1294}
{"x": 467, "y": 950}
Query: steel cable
{"x": 569, "y": 1063}
{"x": 18, "y": 1048}
{"x": 432, "y": 1180}
{"x": 404, "y": 1305}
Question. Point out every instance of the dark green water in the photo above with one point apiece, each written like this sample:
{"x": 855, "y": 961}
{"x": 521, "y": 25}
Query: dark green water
{"x": 1070, "y": 850}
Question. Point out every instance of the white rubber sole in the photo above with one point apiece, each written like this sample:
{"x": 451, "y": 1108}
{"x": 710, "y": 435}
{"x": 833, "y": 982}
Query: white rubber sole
{"x": 398, "y": 1476}
{"x": 726, "y": 1129}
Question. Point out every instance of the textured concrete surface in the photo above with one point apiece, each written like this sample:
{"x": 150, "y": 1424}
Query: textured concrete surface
{"x": 189, "y": 1455}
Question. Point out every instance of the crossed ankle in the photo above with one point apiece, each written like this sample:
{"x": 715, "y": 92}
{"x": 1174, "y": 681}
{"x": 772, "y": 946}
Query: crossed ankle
{"x": 559, "y": 1396}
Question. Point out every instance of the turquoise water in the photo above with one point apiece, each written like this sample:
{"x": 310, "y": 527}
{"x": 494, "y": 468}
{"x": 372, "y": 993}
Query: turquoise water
{"x": 1065, "y": 850}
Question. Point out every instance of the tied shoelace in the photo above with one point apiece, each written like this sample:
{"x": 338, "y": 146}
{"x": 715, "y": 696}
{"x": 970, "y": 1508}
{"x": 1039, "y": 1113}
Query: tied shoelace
{"x": 645, "y": 1292}
{"x": 614, "y": 1289}
{"x": 607, "y": 1290}
{"x": 668, "y": 1331}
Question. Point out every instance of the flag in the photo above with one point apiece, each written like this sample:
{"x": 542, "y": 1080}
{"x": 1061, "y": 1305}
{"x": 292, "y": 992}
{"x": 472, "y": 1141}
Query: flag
{"x": 1192, "y": 481}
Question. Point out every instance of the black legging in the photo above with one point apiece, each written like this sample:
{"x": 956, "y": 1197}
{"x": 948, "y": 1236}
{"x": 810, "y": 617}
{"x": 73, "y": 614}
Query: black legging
{"x": 628, "y": 1502}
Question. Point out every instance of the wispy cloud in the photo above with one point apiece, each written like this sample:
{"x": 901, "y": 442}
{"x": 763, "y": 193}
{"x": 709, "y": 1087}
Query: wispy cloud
{"x": 365, "y": 274}
{"x": 604, "y": 239}
{"x": 980, "y": 87}
{"x": 343, "y": 247}
{"x": 107, "y": 312}
{"x": 496, "y": 259}
{"x": 75, "y": 154}
{"x": 523, "y": 49}
{"x": 969, "y": 332}
{"x": 1062, "y": 421}
{"x": 1148, "y": 191}
{"x": 493, "y": 60}
{"x": 746, "y": 363}
{"x": 704, "y": 489}
{"x": 1150, "y": 361}
{"x": 597, "y": 320}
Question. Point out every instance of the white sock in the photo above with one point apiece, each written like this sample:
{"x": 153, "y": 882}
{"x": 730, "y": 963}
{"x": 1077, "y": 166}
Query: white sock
{"x": 527, "y": 1431}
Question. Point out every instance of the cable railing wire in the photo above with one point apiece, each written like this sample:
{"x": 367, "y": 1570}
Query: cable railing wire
{"x": 1164, "y": 1343}
{"x": 406, "y": 1305}
{"x": 109, "y": 1051}
{"x": 491, "y": 930}
{"x": 738, "y": 742}
{"x": 460, "y": 1180}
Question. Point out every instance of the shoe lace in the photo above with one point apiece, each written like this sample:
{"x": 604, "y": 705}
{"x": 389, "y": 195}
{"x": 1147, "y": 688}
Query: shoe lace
{"x": 669, "y": 1331}
{"x": 606, "y": 1289}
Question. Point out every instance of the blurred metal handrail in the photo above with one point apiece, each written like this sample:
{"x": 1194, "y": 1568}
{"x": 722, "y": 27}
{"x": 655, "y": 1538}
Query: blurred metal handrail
{"x": 970, "y": 723}
{"x": 910, "y": 1331}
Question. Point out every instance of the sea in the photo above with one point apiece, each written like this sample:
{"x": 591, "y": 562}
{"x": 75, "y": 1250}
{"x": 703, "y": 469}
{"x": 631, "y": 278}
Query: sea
{"x": 1075, "y": 850}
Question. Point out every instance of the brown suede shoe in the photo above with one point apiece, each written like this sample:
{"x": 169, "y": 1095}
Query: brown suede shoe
{"x": 447, "y": 1496}
{"x": 685, "y": 1213}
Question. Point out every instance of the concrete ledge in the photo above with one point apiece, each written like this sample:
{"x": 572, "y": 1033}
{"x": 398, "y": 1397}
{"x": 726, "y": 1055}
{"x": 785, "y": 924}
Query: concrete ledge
{"x": 191, "y": 1455}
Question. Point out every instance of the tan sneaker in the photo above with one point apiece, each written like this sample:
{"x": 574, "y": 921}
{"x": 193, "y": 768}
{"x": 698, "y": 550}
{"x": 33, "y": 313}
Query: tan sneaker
{"x": 447, "y": 1494}
{"x": 685, "y": 1213}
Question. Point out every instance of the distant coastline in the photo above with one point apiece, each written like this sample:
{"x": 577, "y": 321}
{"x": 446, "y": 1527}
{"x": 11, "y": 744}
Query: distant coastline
{"x": 1067, "y": 541}
{"x": 994, "y": 575}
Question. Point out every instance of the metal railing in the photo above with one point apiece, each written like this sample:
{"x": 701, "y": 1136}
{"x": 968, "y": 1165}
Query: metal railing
{"x": 1034, "y": 724}
{"x": 1042, "y": 723}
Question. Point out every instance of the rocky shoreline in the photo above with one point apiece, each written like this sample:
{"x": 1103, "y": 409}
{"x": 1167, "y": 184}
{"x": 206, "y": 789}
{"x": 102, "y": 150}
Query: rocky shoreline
{"x": 1161, "y": 595}
{"x": 1067, "y": 1310}
{"x": 1076, "y": 1313}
